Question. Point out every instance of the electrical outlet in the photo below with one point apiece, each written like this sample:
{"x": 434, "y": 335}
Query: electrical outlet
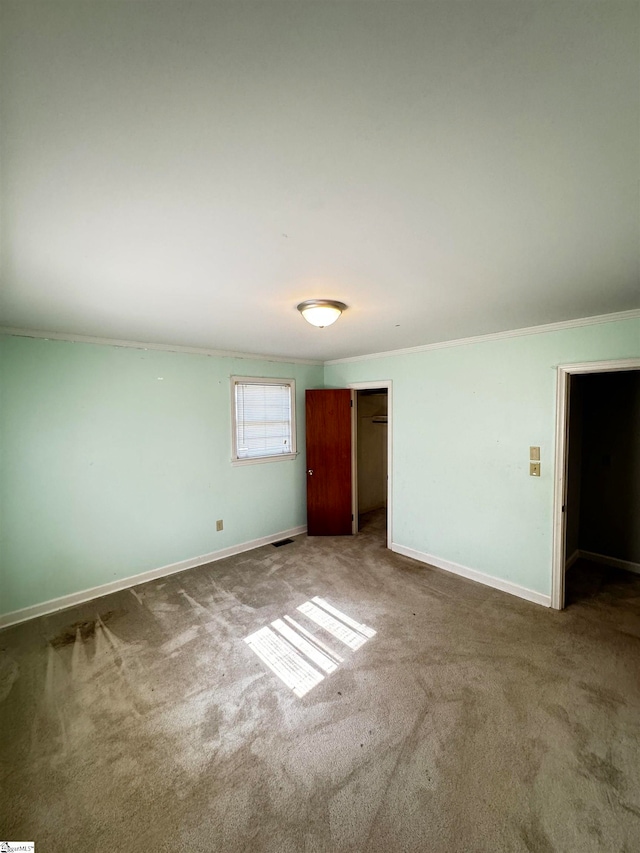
{"x": 219, "y": 525}
{"x": 534, "y": 469}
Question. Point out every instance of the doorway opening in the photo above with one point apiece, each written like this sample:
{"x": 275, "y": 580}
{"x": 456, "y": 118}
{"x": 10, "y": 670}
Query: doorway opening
{"x": 371, "y": 460}
{"x": 597, "y": 489}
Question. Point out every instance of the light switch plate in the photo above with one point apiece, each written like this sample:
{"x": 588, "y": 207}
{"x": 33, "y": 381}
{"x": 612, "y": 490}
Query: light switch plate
{"x": 534, "y": 469}
{"x": 534, "y": 454}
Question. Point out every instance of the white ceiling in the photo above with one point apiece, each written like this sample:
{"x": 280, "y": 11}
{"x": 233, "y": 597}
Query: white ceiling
{"x": 186, "y": 173}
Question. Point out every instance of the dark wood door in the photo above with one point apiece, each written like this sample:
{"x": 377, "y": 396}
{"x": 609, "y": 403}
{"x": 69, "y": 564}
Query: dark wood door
{"x": 329, "y": 462}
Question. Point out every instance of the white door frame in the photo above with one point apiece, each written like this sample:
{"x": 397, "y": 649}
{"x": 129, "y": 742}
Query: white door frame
{"x": 560, "y": 477}
{"x": 364, "y": 386}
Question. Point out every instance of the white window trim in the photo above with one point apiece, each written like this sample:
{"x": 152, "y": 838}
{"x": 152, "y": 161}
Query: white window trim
{"x": 262, "y": 380}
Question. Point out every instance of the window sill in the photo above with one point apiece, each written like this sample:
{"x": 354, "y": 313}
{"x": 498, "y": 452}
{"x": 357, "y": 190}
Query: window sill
{"x": 284, "y": 457}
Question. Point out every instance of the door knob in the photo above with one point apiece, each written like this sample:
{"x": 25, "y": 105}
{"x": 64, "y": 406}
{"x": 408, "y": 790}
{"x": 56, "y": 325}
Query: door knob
{"x": 310, "y": 472}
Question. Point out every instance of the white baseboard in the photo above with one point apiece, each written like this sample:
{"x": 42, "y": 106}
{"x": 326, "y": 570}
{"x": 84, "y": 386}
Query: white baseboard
{"x": 472, "y": 574}
{"x": 614, "y": 562}
{"x": 74, "y": 598}
{"x": 571, "y": 560}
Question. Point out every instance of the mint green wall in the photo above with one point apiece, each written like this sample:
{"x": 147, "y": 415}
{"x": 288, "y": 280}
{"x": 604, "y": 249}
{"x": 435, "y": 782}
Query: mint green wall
{"x": 463, "y": 420}
{"x": 108, "y": 471}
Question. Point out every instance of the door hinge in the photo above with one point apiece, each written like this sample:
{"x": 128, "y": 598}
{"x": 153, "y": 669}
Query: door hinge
{"x": 563, "y": 509}
{"x": 351, "y": 402}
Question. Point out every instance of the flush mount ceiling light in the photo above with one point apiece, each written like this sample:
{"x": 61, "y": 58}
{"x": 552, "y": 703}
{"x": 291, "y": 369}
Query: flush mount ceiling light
{"x": 321, "y": 312}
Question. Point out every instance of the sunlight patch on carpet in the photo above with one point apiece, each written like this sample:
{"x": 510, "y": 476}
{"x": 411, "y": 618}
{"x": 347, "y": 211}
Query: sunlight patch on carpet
{"x": 337, "y": 629}
{"x": 292, "y": 668}
{"x": 296, "y": 655}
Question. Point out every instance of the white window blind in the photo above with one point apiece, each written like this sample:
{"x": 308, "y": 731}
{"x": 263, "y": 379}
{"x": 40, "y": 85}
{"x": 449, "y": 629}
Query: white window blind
{"x": 264, "y": 424}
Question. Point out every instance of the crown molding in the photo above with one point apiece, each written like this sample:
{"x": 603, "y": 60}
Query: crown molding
{"x": 112, "y": 342}
{"x": 633, "y": 314}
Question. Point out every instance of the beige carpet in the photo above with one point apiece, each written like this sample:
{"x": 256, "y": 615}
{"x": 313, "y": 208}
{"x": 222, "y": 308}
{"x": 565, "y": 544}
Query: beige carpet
{"x": 472, "y": 721}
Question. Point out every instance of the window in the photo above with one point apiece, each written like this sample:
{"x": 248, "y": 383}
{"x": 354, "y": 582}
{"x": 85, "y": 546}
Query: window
{"x": 264, "y": 426}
